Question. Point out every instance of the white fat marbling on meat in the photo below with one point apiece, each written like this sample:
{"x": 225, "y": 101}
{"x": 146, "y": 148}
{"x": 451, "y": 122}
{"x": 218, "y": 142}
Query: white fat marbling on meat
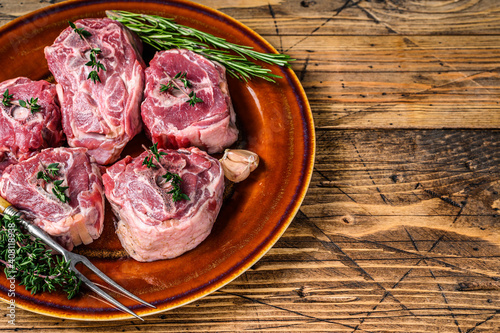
{"x": 168, "y": 117}
{"x": 150, "y": 225}
{"x": 71, "y": 223}
{"x": 103, "y": 116}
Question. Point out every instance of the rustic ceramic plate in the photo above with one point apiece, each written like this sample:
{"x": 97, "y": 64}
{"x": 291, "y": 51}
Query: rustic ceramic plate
{"x": 276, "y": 123}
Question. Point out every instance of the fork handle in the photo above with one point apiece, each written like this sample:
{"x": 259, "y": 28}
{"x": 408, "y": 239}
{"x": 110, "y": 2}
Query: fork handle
{"x": 7, "y": 209}
{"x": 3, "y": 205}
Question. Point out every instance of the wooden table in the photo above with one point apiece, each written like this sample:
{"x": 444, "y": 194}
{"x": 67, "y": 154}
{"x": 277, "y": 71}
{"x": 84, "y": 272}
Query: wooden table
{"x": 399, "y": 229}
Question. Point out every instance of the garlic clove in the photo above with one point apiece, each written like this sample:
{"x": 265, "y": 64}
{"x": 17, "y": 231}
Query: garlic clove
{"x": 238, "y": 163}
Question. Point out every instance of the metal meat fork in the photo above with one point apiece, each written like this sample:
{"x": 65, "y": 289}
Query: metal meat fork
{"x": 73, "y": 258}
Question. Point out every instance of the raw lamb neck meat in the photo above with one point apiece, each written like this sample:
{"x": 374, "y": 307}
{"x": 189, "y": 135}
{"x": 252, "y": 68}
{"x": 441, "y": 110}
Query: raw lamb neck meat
{"x": 168, "y": 116}
{"x": 102, "y": 116}
{"x": 24, "y": 132}
{"x": 80, "y": 220}
{"x": 151, "y": 225}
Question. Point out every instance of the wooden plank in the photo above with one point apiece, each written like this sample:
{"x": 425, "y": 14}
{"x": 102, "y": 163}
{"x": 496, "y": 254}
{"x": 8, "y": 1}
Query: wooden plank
{"x": 399, "y": 231}
{"x": 386, "y": 82}
{"x": 342, "y": 17}
{"x": 370, "y": 250}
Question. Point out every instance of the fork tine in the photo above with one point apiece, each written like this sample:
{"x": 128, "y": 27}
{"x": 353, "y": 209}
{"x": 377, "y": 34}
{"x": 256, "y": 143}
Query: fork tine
{"x": 104, "y": 295}
{"x": 106, "y": 278}
{"x": 73, "y": 258}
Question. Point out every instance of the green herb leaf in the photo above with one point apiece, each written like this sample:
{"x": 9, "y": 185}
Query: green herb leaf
{"x": 59, "y": 191}
{"x": 167, "y": 87}
{"x": 181, "y": 76}
{"x": 33, "y": 265}
{"x": 154, "y": 150}
{"x": 53, "y": 169}
{"x": 176, "y": 191}
{"x": 6, "y": 100}
{"x": 94, "y": 76}
{"x": 33, "y": 105}
{"x": 163, "y": 34}
{"x": 94, "y": 51}
{"x": 44, "y": 176}
{"x": 80, "y": 31}
{"x": 193, "y": 99}
{"x": 148, "y": 162}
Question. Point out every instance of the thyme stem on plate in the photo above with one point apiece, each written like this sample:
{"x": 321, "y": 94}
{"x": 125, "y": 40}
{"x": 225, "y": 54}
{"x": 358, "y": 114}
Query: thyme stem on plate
{"x": 163, "y": 34}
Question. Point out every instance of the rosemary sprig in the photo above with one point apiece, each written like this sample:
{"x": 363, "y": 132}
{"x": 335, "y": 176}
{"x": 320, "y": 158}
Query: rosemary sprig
{"x": 6, "y": 100}
{"x": 34, "y": 265}
{"x": 163, "y": 34}
{"x": 94, "y": 51}
{"x": 187, "y": 84}
{"x": 31, "y": 104}
{"x": 176, "y": 191}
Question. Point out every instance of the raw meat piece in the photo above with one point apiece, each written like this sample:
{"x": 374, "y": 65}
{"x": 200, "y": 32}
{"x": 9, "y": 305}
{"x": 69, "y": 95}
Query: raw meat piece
{"x": 104, "y": 116}
{"x": 6, "y": 159}
{"x": 151, "y": 225}
{"x": 78, "y": 221}
{"x": 169, "y": 118}
{"x": 23, "y": 133}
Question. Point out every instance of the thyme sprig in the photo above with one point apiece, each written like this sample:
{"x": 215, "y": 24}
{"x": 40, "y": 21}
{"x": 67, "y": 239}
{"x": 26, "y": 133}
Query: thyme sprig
{"x": 53, "y": 169}
{"x": 172, "y": 84}
{"x": 148, "y": 162}
{"x": 95, "y": 64}
{"x": 176, "y": 191}
{"x": 192, "y": 99}
{"x": 31, "y": 104}
{"x": 94, "y": 52}
{"x": 167, "y": 87}
{"x": 153, "y": 152}
{"x": 33, "y": 264}
{"x": 6, "y": 100}
{"x": 181, "y": 76}
{"x": 163, "y": 34}
{"x": 57, "y": 189}
{"x": 44, "y": 176}
{"x": 80, "y": 31}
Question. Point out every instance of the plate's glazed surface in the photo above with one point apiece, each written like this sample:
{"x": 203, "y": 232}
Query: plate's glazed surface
{"x": 276, "y": 123}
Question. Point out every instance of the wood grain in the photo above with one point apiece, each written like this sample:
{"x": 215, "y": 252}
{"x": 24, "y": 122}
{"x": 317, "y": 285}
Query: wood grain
{"x": 399, "y": 231}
